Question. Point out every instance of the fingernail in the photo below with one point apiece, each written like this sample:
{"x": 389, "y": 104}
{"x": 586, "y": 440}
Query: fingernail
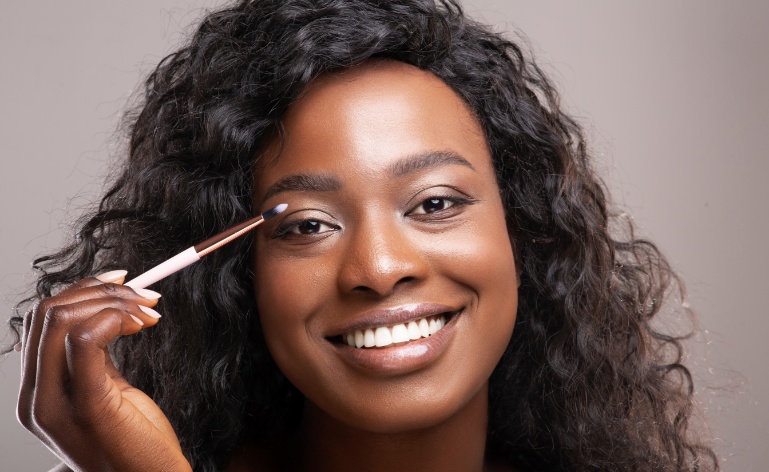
{"x": 148, "y": 294}
{"x": 17, "y": 347}
{"x": 112, "y": 276}
{"x": 149, "y": 311}
{"x": 138, "y": 321}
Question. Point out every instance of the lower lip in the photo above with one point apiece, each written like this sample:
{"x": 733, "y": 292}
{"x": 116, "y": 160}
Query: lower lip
{"x": 397, "y": 359}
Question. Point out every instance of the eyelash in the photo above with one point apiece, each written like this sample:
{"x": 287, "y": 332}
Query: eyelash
{"x": 285, "y": 230}
{"x": 456, "y": 203}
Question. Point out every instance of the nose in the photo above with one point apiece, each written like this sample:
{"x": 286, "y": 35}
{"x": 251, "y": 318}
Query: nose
{"x": 380, "y": 259}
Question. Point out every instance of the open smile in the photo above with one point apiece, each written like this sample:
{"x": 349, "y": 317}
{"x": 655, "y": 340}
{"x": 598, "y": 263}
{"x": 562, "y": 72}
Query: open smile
{"x": 383, "y": 336}
{"x": 401, "y": 346}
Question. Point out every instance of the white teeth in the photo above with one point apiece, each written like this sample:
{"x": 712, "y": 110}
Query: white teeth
{"x": 424, "y": 328}
{"x": 433, "y": 327}
{"x": 384, "y": 336}
{"x": 414, "y": 331}
{"x": 368, "y": 338}
{"x": 400, "y": 333}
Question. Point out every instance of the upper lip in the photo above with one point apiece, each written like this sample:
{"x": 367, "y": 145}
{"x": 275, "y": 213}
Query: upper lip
{"x": 400, "y": 314}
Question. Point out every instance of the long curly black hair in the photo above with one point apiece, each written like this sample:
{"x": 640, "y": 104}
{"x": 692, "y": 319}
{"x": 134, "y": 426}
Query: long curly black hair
{"x": 586, "y": 383}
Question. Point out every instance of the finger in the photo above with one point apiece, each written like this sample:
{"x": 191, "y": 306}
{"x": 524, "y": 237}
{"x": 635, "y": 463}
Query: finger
{"x": 88, "y": 289}
{"x": 114, "y": 276}
{"x": 52, "y": 405}
{"x": 27, "y": 322}
{"x": 111, "y": 277}
{"x": 150, "y": 318}
{"x": 27, "y": 325}
{"x": 86, "y": 349}
{"x": 24, "y": 403}
{"x": 107, "y": 277}
{"x": 83, "y": 283}
{"x": 52, "y": 364}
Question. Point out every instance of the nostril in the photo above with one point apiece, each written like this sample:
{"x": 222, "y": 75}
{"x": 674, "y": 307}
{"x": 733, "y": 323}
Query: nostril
{"x": 379, "y": 283}
{"x": 406, "y": 280}
{"x": 374, "y": 291}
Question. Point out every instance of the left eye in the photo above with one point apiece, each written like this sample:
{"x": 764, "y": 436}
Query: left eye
{"x": 431, "y": 205}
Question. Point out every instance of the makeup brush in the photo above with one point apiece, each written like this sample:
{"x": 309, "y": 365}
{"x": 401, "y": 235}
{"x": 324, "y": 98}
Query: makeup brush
{"x": 193, "y": 254}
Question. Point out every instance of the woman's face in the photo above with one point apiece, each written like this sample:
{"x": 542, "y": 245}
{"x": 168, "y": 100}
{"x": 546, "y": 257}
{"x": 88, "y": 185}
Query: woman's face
{"x": 394, "y": 222}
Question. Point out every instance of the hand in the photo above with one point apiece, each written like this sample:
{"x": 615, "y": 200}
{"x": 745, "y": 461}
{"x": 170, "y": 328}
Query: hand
{"x": 73, "y": 398}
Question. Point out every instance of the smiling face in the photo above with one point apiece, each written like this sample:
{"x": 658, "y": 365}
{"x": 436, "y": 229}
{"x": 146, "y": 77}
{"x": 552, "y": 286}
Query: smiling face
{"x": 394, "y": 224}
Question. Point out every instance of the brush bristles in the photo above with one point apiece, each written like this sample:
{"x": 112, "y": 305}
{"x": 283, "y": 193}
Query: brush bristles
{"x": 274, "y": 211}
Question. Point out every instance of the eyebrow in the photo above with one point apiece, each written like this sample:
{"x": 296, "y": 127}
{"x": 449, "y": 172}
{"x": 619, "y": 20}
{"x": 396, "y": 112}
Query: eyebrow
{"x": 400, "y": 168}
{"x": 417, "y": 162}
{"x": 303, "y": 183}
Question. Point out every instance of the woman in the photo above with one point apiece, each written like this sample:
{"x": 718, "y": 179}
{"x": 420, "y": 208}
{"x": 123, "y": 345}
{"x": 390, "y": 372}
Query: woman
{"x": 431, "y": 177}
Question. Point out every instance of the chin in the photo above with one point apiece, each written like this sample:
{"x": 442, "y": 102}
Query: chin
{"x": 401, "y": 407}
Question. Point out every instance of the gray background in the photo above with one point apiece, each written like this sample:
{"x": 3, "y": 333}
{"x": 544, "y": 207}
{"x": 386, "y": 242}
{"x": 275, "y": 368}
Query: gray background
{"x": 674, "y": 97}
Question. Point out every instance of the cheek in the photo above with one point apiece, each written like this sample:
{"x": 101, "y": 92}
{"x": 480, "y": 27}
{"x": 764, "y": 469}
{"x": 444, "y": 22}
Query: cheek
{"x": 289, "y": 292}
{"x": 482, "y": 262}
{"x": 277, "y": 285}
{"x": 480, "y": 256}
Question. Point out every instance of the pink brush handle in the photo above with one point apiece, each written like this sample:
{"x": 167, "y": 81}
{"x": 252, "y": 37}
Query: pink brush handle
{"x": 164, "y": 269}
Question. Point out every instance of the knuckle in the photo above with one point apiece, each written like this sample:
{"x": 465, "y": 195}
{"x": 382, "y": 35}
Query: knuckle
{"x": 83, "y": 283}
{"x": 79, "y": 340}
{"x": 62, "y": 290}
{"x": 41, "y": 307}
{"x": 77, "y": 285}
{"x": 110, "y": 290}
{"x": 116, "y": 294}
{"x": 56, "y": 317}
{"x": 119, "y": 303}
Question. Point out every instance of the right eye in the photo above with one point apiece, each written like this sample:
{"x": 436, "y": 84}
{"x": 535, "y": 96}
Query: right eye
{"x": 300, "y": 228}
{"x": 310, "y": 227}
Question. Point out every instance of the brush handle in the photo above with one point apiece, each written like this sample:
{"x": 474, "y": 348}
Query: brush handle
{"x": 164, "y": 269}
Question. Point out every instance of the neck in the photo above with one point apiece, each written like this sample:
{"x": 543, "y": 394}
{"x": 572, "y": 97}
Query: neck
{"x": 456, "y": 444}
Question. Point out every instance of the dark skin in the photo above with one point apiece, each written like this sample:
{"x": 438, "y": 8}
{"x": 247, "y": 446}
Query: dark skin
{"x": 73, "y": 398}
{"x": 397, "y": 212}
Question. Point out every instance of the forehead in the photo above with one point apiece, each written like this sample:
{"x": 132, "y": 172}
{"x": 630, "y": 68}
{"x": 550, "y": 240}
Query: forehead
{"x": 369, "y": 116}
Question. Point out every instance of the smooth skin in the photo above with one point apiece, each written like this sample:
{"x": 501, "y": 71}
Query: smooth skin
{"x": 73, "y": 398}
{"x": 381, "y": 223}
{"x": 388, "y": 226}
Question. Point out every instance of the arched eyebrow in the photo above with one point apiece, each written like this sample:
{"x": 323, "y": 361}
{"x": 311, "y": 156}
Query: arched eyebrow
{"x": 417, "y": 162}
{"x": 400, "y": 168}
{"x": 303, "y": 183}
